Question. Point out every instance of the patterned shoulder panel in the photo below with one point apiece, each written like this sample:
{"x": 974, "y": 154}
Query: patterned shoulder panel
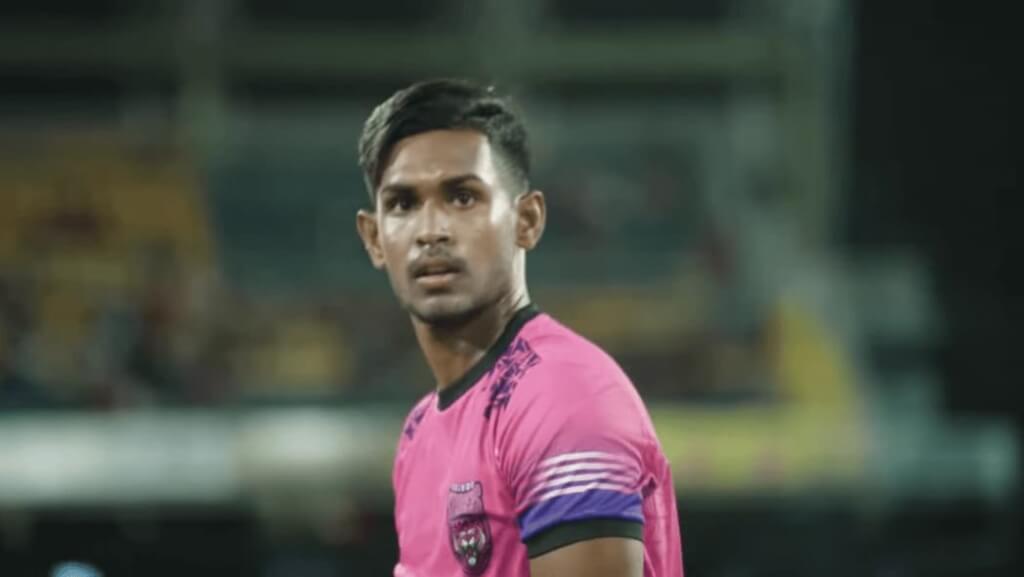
{"x": 509, "y": 369}
{"x": 412, "y": 422}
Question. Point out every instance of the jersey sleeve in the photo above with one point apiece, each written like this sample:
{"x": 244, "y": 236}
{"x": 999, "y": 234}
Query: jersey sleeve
{"x": 572, "y": 451}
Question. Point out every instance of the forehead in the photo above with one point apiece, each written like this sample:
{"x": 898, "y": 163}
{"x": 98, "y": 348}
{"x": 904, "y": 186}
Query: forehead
{"x": 439, "y": 154}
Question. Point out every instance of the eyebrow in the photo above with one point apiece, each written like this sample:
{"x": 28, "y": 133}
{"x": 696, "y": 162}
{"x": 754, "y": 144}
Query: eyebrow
{"x": 456, "y": 180}
{"x": 451, "y": 181}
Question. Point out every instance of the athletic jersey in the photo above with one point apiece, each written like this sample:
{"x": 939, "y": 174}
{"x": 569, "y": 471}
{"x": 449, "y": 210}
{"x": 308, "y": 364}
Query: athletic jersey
{"x": 543, "y": 443}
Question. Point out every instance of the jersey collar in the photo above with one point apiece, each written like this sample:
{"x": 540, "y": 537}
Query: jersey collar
{"x": 453, "y": 392}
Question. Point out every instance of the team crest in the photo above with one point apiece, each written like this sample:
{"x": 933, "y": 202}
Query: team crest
{"x": 468, "y": 529}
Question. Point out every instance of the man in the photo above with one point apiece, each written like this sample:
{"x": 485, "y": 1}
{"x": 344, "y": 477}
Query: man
{"x": 534, "y": 455}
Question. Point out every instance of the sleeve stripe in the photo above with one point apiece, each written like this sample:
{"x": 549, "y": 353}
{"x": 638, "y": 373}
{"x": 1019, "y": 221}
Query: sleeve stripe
{"x": 584, "y": 456}
{"x": 608, "y": 476}
{"x": 588, "y": 503}
{"x": 553, "y": 472}
{"x": 617, "y": 487}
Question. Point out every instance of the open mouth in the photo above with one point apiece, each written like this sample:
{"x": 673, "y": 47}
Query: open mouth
{"x": 435, "y": 274}
{"x": 436, "y": 271}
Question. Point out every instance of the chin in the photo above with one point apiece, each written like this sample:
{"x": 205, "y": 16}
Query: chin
{"x": 445, "y": 311}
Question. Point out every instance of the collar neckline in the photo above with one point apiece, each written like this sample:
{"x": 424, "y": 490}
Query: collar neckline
{"x": 453, "y": 392}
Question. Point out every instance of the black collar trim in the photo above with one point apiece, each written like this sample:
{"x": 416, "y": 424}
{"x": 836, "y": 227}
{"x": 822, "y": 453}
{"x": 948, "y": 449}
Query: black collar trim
{"x": 453, "y": 392}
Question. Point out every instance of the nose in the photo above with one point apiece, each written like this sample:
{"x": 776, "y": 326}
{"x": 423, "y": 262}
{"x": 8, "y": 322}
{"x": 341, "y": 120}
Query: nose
{"x": 435, "y": 226}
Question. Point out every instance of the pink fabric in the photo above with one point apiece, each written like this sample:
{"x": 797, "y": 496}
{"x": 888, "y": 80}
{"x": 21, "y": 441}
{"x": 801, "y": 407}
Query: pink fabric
{"x": 555, "y": 432}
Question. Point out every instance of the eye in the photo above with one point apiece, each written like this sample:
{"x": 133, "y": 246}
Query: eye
{"x": 463, "y": 197}
{"x": 399, "y": 203}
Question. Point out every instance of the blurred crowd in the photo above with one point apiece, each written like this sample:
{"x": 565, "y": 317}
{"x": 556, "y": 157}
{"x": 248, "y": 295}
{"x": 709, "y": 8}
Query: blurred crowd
{"x": 176, "y": 339}
{"x": 92, "y": 316}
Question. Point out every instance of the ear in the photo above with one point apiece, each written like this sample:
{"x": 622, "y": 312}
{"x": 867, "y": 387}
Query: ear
{"x": 532, "y": 216}
{"x": 366, "y": 225}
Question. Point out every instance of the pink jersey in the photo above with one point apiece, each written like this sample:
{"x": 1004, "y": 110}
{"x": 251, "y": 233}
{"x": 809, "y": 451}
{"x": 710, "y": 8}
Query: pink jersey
{"x": 543, "y": 443}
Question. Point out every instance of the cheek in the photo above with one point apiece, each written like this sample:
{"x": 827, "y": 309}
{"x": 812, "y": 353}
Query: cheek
{"x": 496, "y": 250}
{"x": 392, "y": 237}
{"x": 394, "y": 251}
{"x": 501, "y": 228}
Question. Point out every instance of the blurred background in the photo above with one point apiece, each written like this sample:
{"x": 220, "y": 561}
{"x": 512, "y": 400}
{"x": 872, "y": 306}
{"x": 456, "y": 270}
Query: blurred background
{"x": 786, "y": 219}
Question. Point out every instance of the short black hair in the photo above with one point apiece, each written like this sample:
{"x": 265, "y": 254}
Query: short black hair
{"x": 443, "y": 104}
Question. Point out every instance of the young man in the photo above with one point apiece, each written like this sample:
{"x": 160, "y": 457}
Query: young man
{"x": 534, "y": 455}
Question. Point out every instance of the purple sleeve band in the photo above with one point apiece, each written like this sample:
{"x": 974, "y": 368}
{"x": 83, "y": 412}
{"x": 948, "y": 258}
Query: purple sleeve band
{"x": 594, "y": 504}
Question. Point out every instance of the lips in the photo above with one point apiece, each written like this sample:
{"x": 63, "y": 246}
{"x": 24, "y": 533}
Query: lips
{"x": 436, "y": 268}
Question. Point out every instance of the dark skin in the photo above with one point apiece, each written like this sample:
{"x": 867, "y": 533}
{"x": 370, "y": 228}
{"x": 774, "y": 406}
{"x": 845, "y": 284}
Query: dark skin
{"x": 451, "y": 227}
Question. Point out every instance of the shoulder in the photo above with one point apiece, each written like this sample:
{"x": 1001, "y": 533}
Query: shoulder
{"x": 575, "y": 413}
{"x": 570, "y": 365}
{"x": 415, "y": 416}
{"x": 567, "y": 375}
{"x": 410, "y": 426}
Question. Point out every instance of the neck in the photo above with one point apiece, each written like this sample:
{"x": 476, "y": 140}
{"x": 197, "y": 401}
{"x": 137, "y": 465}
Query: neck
{"x": 452, "y": 351}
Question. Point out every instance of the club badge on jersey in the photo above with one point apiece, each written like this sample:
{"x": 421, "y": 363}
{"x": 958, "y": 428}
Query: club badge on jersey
{"x": 469, "y": 532}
